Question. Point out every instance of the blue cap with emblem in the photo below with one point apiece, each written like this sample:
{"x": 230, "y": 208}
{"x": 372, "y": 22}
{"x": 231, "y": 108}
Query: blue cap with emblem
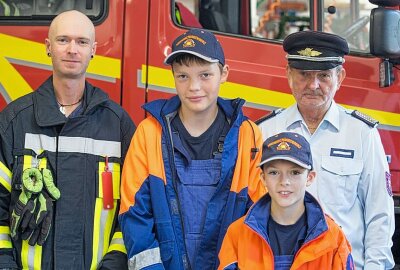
{"x": 287, "y": 146}
{"x": 315, "y": 50}
{"x": 200, "y": 43}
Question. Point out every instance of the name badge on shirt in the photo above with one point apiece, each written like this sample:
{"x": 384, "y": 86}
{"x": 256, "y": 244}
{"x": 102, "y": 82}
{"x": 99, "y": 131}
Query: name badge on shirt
{"x": 344, "y": 153}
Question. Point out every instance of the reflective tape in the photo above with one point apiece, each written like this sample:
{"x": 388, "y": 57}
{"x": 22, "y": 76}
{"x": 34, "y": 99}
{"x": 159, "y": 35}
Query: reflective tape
{"x": 73, "y": 145}
{"x": 145, "y": 259}
{"x": 103, "y": 220}
{"x": 5, "y": 238}
{"x": 117, "y": 243}
{"x": 31, "y": 256}
{"x": 5, "y": 177}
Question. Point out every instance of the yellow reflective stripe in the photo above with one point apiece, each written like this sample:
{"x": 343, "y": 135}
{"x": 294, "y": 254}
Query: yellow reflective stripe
{"x": 37, "y": 258}
{"x": 24, "y": 254}
{"x": 5, "y": 229}
{"x": 103, "y": 220}
{"x": 5, "y": 177}
{"x": 5, "y": 244}
{"x": 27, "y": 162}
{"x": 96, "y": 229}
{"x": 116, "y": 172}
{"x": 31, "y": 256}
{"x": 5, "y": 238}
{"x": 109, "y": 216}
{"x": 117, "y": 243}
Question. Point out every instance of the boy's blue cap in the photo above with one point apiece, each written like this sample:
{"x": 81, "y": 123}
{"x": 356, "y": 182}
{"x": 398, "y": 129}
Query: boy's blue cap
{"x": 200, "y": 43}
{"x": 315, "y": 50}
{"x": 288, "y": 146}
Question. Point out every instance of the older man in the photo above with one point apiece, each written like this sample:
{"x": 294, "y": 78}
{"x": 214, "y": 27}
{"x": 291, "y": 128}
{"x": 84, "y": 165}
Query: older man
{"x": 353, "y": 182}
{"x": 62, "y": 149}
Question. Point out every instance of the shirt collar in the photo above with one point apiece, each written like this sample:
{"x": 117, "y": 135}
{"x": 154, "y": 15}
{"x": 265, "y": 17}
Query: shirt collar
{"x": 331, "y": 117}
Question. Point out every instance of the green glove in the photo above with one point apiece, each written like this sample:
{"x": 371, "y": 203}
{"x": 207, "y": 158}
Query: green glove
{"x": 53, "y": 191}
{"x": 41, "y": 223}
{"x": 32, "y": 184}
{"x": 43, "y": 219}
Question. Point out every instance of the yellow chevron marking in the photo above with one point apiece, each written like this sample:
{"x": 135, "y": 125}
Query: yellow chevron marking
{"x": 35, "y": 53}
{"x": 161, "y": 77}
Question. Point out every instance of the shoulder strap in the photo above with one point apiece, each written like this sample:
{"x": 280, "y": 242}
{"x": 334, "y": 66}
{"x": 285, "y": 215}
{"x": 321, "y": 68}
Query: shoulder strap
{"x": 268, "y": 116}
{"x": 365, "y": 118}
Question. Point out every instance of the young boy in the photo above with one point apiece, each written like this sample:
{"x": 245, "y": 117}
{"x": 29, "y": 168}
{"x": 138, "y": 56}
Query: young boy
{"x": 286, "y": 228}
{"x": 191, "y": 169}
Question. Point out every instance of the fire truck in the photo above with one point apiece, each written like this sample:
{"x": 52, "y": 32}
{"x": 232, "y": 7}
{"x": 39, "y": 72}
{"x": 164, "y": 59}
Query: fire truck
{"x": 134, "y": 36}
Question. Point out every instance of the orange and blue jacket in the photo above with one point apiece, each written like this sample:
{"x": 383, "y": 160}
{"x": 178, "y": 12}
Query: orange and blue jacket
{"x": 246, "y": 244}
{"x": 150, "y": 214}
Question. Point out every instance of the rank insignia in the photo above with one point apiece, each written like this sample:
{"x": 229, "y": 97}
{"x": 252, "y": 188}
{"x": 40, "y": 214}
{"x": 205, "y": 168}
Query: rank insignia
{"x": 309, "y": 52}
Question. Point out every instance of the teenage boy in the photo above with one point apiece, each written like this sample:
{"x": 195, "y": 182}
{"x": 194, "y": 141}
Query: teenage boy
{"x": 192, "y": 168}
{"x": 286, "y": 228}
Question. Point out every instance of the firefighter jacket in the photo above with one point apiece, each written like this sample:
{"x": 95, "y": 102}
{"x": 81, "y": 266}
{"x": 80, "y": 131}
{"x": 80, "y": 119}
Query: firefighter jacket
{"x": 246, "y": 244}
{"x": 34, "y": 133}
{"x": 150, "y": 214}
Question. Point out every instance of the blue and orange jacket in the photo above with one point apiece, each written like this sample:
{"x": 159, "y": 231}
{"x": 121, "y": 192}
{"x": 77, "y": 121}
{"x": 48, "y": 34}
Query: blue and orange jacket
{"x": 246, "y": 244}
{"x": 150, "y": 213}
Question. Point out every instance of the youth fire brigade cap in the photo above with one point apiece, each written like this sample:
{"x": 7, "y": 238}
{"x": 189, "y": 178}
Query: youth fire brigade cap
{"x": 315, "y": 50}
{"x": 287, "y": 146}
{"x": 200, "y": 43}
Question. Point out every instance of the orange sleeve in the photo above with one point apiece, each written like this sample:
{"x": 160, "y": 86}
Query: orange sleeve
{"x": 142, "y": 159}
{"x": 247, "y": 173}
{"x": 228, "y": 254}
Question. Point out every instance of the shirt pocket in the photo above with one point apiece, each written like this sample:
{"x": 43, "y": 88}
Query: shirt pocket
{"x": 338, "y": 182}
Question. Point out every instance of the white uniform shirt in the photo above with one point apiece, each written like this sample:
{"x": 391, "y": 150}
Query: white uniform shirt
{"x": 353, "y": 180}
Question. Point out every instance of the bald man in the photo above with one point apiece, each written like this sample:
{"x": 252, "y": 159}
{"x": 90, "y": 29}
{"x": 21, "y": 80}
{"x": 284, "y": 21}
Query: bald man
{"x": 61, "y": 153}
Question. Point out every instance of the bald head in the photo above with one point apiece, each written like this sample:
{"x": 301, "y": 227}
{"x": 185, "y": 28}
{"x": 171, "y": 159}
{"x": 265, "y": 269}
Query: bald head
{"x": 74, "y": 21}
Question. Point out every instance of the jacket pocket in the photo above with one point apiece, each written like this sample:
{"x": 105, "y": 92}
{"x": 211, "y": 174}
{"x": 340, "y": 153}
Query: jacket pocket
{"x": 339, "y": 179}
{"x": 165, "y": 237}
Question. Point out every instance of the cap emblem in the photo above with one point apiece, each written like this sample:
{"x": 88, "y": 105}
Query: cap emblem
{"x": 309, "y": 52}
{"x": 189, "y": 43}
{"x": 192, "y": 38}
{"x": 283, "y": 146}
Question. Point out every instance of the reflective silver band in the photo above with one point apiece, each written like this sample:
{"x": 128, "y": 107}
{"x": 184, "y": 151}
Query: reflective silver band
{"x": 5, "y": 177}
{"x": 38, "y": 142}
{"x": 316, "y": 59}
{"x": 145, "y": 258}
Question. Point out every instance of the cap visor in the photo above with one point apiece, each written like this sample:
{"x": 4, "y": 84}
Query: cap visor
{"x": 171, "y": 57}
{"x": 288, "y": 158}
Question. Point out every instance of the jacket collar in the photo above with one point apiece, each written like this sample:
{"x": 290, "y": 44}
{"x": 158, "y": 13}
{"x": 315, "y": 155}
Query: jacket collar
{"x": 259, "y": 214}
{"x": 163, "y": 107}
{"x": 46, "y": 108}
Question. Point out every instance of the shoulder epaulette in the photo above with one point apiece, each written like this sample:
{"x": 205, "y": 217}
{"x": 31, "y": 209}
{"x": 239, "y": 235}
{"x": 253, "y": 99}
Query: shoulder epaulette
{"x": 365, "y": 118}
{"x": 268, "y": 116}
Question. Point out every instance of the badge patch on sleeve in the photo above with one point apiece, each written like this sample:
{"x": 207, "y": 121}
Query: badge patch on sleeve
{"x": 388, "y": 183}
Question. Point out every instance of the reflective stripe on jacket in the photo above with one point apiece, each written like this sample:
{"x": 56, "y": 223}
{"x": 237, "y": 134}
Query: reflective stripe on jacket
{"x": 34, "y": 132}
{"x": 150, "y": 215}
{"x": 246, "y": 245}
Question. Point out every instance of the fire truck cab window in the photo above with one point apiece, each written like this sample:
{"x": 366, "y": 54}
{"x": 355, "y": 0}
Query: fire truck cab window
{"x": 46, "y": 9}
{"x": 275, "y": 19}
